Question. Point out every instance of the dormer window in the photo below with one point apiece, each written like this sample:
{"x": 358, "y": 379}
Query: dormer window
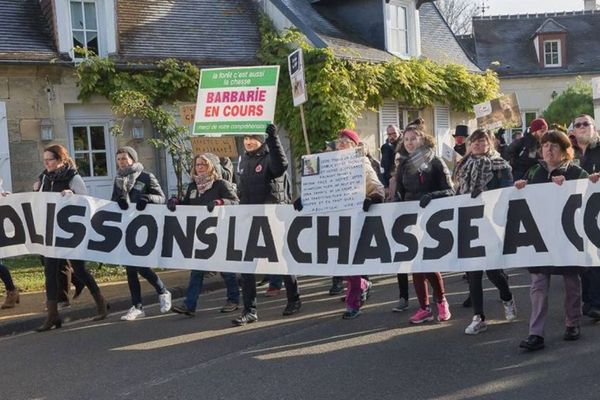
{"x": 397, "y": 29}
{"x": 552, "y": 56}
{"x": 401, "y": 25}
{"x": 84, "y": 27}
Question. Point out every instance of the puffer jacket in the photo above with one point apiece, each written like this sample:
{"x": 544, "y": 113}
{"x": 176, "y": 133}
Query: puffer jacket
{"x": 220, "y": 190}
{"x": 434, "y": 179}
{"x": 523, "y": 154}
{"x": 261, "y": 175}
{"x": 540, "y": 174}
{"x": 146, "y": 183}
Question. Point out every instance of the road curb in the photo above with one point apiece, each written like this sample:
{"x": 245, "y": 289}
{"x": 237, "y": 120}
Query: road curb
{"x": 89, "y": 310}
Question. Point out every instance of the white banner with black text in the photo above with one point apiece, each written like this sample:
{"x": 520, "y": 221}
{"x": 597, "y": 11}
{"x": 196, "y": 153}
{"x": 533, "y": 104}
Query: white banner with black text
{"x": 541, "y": 225}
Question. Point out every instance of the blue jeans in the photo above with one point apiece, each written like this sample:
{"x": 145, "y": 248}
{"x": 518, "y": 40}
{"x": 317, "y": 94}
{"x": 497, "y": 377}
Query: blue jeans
{"x": 6, "y": 278}
{"x": 195, "y": 288}
{"x": 275, "y": 281}
{"x": 134, "y": 283}
{"x": 590, "y": 285}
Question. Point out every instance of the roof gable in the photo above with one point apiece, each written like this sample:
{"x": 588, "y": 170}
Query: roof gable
{"x": 550, "y": 26}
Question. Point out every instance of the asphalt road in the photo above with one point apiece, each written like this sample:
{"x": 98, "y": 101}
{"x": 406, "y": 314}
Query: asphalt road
{"x": 312, "y": 355}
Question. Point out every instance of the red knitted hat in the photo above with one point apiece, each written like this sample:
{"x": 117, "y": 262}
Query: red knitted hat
{"x": 350, "y": 135}
{"x": 538, "y": 124}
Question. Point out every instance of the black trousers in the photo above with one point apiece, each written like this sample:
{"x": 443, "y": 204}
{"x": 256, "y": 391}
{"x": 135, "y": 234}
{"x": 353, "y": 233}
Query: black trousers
{"x": 497, "y": 277}
{"x": 403, "y": 285}
{"x": 52, "y": 268}
{"x": 249, "y": 290}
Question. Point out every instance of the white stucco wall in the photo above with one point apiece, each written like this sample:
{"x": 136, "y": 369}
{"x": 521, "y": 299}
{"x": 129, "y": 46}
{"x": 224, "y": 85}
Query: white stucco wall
{"x": 535, "y": 94}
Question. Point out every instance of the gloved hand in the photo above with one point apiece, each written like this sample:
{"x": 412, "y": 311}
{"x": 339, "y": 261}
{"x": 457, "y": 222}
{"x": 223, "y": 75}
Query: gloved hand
{"x": 426, "y": 199}
{"x": 142, "y": 202}
{"x": 298, "y": 204}
{"x": 271, "y": 130}
{"x": 475, "y": 193}
{"x": 367, "y": 204}
{"x": 123, "y": 203}
{"x": 211, "y": 206}
{"x": 172, "y": 203}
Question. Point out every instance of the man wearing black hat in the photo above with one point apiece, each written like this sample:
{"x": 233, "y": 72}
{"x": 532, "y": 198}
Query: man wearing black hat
{"x": 461, "y": 133}
{"x": 261, "y": 180}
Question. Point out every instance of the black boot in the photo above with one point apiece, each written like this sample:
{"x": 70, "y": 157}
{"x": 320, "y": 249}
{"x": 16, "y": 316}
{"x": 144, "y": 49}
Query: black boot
{"x": 533, "y": 342}
{"x": 101, "y": 307}
{"x": 52, "y": 319}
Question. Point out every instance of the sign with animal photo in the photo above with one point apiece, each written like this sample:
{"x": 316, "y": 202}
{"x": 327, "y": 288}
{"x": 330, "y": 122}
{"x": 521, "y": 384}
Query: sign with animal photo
{"x": 333, "y": 181}
{"x": 502, "y": 112}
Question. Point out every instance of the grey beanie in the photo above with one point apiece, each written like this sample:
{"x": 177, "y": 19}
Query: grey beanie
{"x": 130, "y": 151}
{"x": 260, "y": 138}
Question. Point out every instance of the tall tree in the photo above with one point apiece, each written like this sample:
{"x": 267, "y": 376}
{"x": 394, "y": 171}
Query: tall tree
{"x": 458, "y": 14}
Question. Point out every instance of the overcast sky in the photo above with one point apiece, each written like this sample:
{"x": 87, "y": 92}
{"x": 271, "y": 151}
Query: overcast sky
{"x": 530, "y": 6}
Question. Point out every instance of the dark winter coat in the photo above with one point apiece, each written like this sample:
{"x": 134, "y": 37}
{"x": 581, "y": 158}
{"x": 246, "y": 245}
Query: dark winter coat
{"x": 434, "y": 180}
{"x": 145, "y": 184}
{"x": 261, "y": 175}
{"x": 523, "y": 154}
{"x": 388, "y": 153}
{"x": 590, "y": 161}
{"x": 60, "y": 180}
{"x": 220, "y": 190}
{"x": 539, "y": 174}
{"x": 461, "y": 149}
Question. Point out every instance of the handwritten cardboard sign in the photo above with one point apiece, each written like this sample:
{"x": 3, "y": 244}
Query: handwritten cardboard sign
{"x": 220, "y": 146}
{"x": 333, "y": 181}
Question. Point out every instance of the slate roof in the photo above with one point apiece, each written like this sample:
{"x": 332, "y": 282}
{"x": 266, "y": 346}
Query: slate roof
{"x": 507, "y": 39}
{"x": 438, "y": 42}
{"x": 207, "y": 32}
{"x": 24, "y": 33}
{"x": 323, "y": 33}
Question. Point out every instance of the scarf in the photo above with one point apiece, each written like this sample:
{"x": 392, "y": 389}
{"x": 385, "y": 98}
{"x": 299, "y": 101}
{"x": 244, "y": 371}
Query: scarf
{"x": 203, "y": 183}
{"x": 419, "y": 161}
{"x": 126, "y": 177}
{"x": 64, "y": 173}
{"x": 475, "y": 171}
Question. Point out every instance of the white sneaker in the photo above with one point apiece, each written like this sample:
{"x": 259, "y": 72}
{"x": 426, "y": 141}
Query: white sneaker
{"x": 133, "y": 314}
{"x": 476, "y": 326}
{"x": 165, "y": 302}
{"x": 510, "y": 310}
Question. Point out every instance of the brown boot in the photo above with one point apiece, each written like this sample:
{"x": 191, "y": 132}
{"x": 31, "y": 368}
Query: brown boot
{"x": 53, "y": 319}
{"x": 101, "y": 307}
{"x": 12, "y": 298}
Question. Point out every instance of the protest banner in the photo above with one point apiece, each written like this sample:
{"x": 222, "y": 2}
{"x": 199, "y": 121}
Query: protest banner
{"x": 504, "y": 228}
{"x": 235, "y": 101}
{"x": 502, "y": 112}
{"x": 333, "y": 181}
{"x": 296, "y": 68}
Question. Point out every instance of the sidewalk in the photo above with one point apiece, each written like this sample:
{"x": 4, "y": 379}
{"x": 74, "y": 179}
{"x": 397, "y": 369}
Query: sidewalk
{"x": 30, "y": 314}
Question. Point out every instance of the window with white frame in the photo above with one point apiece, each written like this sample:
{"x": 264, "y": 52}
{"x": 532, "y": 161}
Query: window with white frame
{"x": 393, "y": 113}
{"x": 84, "y": 27}
{"x": 397, "y": 28}
{"x": 90, "y": 149}
{"x": 552, "y": 56}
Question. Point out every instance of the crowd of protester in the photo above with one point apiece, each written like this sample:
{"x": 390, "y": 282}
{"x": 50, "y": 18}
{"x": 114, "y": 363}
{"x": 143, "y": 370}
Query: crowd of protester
{"x": 409, "y": 170}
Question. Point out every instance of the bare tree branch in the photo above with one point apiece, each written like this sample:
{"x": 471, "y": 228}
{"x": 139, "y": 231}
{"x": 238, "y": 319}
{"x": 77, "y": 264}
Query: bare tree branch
{"x": 458, "y": 14}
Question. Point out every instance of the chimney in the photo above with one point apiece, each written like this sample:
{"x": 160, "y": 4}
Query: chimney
{"x": 589, "y": 5}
